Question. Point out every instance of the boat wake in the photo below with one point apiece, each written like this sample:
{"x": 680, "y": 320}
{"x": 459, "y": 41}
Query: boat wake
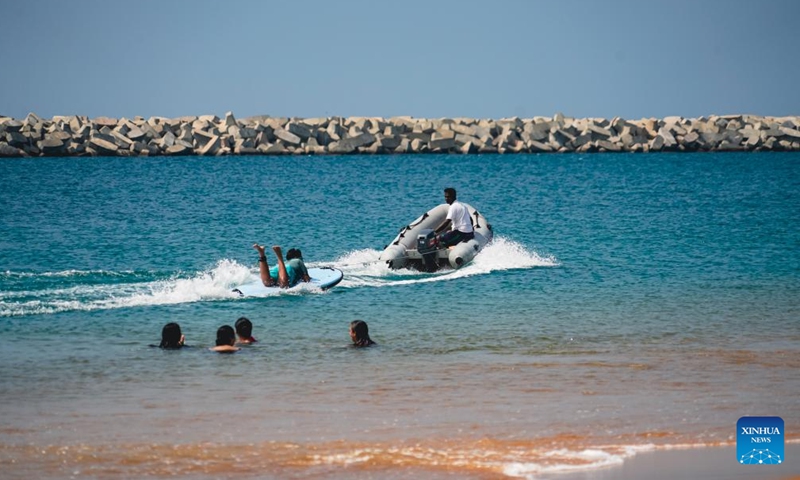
{"x": 362, "y": 268}
{"x": 26, "y": 293}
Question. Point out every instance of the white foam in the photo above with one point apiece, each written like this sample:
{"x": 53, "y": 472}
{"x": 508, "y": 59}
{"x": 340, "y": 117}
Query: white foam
{"x": 63, "y": 273}
{"x": 216, "y": 283}
{"x": 562, "y": 461}
{"x": 511, "y": 463}
{"x": 362, "y": 267}
{"x": 345, "y": 459}
{"x": 212, "y": 284}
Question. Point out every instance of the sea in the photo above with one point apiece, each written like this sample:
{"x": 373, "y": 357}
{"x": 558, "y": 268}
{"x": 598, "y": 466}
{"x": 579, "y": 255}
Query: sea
{"x": 629, "y": 303}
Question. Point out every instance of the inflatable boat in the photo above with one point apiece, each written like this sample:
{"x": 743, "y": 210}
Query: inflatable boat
{"x": 411, "y": 248}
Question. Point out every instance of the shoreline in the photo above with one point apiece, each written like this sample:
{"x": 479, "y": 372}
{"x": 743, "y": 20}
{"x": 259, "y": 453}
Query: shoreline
{"x": 355, "y": 460}
{"x": 209, "y": 135}
{"x": 691, "y": 461}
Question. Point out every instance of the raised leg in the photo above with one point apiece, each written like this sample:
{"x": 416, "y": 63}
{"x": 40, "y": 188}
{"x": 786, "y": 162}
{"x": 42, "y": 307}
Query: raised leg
{"x": 283, "y": 275}
{"x": 263, "y": 267}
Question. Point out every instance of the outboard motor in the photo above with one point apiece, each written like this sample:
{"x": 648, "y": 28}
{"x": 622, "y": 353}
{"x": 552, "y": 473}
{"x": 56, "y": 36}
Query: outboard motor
{"x": 427, "y": 248}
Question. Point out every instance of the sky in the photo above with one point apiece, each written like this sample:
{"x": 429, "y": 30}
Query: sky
{"x": 422, "y": 58}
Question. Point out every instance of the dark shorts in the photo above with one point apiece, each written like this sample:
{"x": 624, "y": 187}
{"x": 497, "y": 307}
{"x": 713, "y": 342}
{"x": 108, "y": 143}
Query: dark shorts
{"x": 454, "y": 237}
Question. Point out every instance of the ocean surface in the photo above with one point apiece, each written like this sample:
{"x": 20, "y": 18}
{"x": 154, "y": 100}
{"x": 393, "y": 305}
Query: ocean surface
{"x": 628, "y": 303}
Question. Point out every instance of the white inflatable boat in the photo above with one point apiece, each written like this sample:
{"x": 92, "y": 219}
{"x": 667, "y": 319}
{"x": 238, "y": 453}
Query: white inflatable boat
{"x": 410, "y": 248}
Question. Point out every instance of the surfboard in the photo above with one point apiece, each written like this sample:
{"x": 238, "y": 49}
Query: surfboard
{"x": 323, "y": 278}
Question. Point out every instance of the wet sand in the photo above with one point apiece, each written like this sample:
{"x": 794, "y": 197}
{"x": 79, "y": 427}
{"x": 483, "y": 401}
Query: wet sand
{"x": 712, "y": 463}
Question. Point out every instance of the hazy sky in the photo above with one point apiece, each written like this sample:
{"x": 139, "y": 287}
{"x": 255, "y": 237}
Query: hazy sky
{"x": 424, "y": 58}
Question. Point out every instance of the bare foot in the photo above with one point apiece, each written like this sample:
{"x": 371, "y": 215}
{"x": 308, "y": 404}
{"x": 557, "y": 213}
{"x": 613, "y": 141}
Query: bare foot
{"x": 277, "y": 250}
{"x": 260, "y": 249}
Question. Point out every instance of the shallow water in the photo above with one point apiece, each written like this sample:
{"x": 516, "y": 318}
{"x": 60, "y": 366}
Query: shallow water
{"x": 628, "y": 301}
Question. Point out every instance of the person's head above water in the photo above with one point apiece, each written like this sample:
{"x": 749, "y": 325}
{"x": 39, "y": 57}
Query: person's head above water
{"x": 449, "y": 195}
{"x": 294, "y": 253}
{"x": 171, "y": 336}
{"x": 226, "y": 335}
{"x": 244, "y": 330}
{"x": 359, "y": 333}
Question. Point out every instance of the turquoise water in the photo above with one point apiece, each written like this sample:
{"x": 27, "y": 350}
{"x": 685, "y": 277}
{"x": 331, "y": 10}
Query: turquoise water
{"x": 627, "y": 301}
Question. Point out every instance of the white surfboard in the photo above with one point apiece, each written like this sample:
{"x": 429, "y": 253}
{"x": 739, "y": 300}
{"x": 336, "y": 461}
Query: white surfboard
{"x": 323, "y": 278}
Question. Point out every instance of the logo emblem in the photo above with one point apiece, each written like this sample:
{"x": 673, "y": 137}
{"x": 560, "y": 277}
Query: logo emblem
{"x": 759, "y": 440}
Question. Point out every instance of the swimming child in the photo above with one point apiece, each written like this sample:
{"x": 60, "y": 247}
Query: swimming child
{"x": 226, "y": 340}
{"x": 244, "y": 331}
{"x": 171, "y": 336}
{"x": 359, "y": 333}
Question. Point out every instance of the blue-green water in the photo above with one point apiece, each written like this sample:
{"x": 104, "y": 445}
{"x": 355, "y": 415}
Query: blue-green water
{"x": 627, "y": 300}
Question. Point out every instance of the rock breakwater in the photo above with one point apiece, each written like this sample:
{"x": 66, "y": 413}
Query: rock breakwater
{"x": 264, "y": 135}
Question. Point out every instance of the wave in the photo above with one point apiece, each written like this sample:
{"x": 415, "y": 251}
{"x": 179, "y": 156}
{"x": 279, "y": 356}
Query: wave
{"x": 481, "y": 458}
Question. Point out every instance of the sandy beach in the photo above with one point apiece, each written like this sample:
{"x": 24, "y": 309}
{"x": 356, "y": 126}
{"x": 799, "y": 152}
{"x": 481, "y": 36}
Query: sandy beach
{"x": 711, "y": 463}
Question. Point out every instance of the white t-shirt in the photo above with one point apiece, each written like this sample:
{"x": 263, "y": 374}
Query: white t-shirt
{"x": 459, "y": 215}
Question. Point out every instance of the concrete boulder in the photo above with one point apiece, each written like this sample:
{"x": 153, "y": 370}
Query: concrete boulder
{"x": 387, "y": 143}
{"x": 211, "y": 147}
{"x": 7, "y": 150}
{"x": 789, "y": 132}
{"x": 442, "y": 140}
{"x": 52, "y": 146}
{"x": 536, "y": 146}
{"x": 535, "y": 131}
{"x": 229, "y": 121}
{"x": 669, "y": 139}
{"x": 208, "y": 135}
{"x": 350, "y": 144}
{"x": 16, "y": 139}
{"x": 179, "y": 149}
{"x": 100, "y": 122}
{"x": 201, "y": 137}
{"x": 605, "y": 145}
{"x": 272, "y": 149}
{"x": 103, "y": 144}
{"x": 287, "y": 137}
{"x": 12, "y": 125}
{"x": 301, "y": 130}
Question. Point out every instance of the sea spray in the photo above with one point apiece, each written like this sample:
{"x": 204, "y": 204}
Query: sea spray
{"x": 362, "y": 267}
{"x": 87, "y": 291}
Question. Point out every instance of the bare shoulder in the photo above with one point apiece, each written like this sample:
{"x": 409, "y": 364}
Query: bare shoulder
{"x": 225, "y": 349}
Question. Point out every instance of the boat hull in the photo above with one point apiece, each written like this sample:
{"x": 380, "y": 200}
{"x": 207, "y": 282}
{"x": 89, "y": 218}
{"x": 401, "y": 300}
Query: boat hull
{"x": 403, "y": 251}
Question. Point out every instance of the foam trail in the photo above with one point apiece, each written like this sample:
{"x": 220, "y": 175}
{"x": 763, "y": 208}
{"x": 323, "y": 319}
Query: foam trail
{"x": 66, "y": 274}
{"x": 213, "y": 284}
{"x": 75, "y": 290}
{"x": 362, "y": 267}
{"x": 209, "y": 285}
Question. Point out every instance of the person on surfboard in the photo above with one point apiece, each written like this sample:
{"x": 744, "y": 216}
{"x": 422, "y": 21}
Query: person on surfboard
{"x": 285, "y": 274}
{"x": 294, "y": 260}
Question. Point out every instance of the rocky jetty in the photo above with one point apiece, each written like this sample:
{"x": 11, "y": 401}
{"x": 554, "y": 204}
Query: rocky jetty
{"x": 264, "y": 135}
